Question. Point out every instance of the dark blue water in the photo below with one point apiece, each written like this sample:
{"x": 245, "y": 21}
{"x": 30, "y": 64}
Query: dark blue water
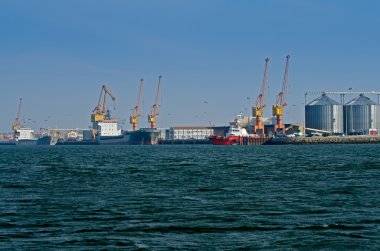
{"x": 190, "y": 197}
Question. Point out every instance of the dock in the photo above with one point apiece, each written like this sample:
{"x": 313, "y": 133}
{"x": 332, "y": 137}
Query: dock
{"x": 325, "y": 140}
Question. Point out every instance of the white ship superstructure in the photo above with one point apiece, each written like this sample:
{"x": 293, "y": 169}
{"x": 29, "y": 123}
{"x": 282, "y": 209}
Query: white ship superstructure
{"x": 107, "y": 132}
{"x": 105, "y": 129}
{"x": 24, "y": 136}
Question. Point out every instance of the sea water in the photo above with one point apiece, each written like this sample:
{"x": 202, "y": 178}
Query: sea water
{"x": 197, "y": 197}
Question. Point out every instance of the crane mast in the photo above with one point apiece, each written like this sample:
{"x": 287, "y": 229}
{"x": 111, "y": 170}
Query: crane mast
{"x": 258, "y": 110}
{"x": 99, "y": 112}
{"x": 16, "y": 124}
{"x": 278, "y": 108}
{"x": 134, "y": 119}
{"x": 152, "y": 117}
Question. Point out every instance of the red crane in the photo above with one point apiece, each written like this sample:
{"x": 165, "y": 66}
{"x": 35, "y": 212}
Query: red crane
{"x": 278, "y": 108}
{"x": 258, "y": 110}
{"x": 134, "y": 119}
{"x": 152, "y": 117}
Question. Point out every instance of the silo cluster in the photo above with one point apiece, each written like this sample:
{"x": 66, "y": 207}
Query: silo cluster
{"x": 359, "y": 116}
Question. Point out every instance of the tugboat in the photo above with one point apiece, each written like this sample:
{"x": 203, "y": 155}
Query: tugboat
{"x": 235, "y": 136}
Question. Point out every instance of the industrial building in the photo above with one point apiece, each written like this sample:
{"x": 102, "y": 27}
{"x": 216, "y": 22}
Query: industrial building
{"x": 324, "y": 114}
{"x": 360, "y": 116}
{"x": 189, "y": 133}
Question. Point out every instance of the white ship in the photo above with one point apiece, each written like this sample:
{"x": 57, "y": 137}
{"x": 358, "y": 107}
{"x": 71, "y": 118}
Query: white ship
{"x": 107, "y": 132}
{"x": 105, "y": 129}
{"x": 24, "y": 136}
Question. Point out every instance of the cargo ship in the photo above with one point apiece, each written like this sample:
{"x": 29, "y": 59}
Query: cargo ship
{"x": 105, "y": 129}
{"x": 235, "y": 135}
{"x": 106, "y": 132}
{"x": 47, "y": 140}
{"x": 24, "y": 137}
{"x": 143, "y": 136}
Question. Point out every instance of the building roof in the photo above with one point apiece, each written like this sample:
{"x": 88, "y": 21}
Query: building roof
{"x": 190, "y": 127}
{"x": 361, "y": 100}
{"x": 324, "y": 100}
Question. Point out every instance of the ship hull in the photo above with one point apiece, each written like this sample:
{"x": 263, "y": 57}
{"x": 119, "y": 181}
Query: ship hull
{"x": 26, "y": 142}
{"x": 7, "y": 143}
{"x": 113, "y": 140}
{"x": 231, "y": 140}
{"x": 144, "y": 136}
{"x": 47, "y": 140}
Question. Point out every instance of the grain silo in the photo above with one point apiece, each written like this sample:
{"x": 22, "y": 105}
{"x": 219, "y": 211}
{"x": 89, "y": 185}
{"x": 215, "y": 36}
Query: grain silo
{"x": 360, "y": 115}
{"x": 324, "y": 114}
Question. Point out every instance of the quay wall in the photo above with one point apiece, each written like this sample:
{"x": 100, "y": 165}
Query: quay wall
{"x": 325, "y": 140}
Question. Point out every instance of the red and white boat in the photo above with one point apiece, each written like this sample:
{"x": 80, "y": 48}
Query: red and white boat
{"x": 235, "y": 136}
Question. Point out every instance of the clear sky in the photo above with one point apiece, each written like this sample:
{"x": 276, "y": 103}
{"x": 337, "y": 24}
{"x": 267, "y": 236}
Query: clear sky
{"x": 57, "y": 54}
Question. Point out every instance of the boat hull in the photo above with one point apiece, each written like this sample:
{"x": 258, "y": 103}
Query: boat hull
{"x": 7, "y": 143}
{"x": 231, "y": 140}
{"x": 26, "y": 142}
{"x": 144, "y": 136}
{"x": 113, "y": 140}
{"x": 47, "y": 140}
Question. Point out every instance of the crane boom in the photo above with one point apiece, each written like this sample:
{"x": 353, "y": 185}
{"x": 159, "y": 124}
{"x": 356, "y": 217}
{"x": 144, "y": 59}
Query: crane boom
{"x": 281, "y": 98}
{"x": 16, "y": 124}
{"x": 152, "y": 117}
{"x": 134, "y": 119}
{"x": 107, "y": 91}
{"x": 258, "y": 110}
{"x": 98, "y": 114}
{"x": 278, "y": 108}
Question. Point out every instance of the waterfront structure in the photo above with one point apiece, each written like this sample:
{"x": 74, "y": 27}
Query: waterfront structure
{"x": 164, "y": 133}
{"x": 361, "y": 115}
{"x": 189, "y": 133}
{"x": 235, "y": 136}
{"x": 324, "y": 114}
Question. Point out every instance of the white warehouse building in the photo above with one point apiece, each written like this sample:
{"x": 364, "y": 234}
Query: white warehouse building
{"x": 189, "y": 133}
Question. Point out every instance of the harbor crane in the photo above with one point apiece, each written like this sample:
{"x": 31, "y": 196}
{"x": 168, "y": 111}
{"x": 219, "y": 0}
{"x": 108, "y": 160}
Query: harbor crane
{"x": 278, "y": 108}
{"x": 16, "y": 124}
{"x": 258, "y": 110}
{"x": 152, "y": 117}
{"x": 134, "y": 119}
{"x": 99, "y": 112}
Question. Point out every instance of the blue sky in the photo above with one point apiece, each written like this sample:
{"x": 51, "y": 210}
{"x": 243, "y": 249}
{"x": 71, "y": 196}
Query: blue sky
{"x": 57, "y": 54}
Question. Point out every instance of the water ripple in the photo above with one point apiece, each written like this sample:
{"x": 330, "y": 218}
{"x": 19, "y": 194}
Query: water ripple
{"x": 190, "y": 197}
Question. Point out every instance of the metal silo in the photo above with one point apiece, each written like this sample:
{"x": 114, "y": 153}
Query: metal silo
{"x": 360, "y": 115}
{"x": 324, "y": 114}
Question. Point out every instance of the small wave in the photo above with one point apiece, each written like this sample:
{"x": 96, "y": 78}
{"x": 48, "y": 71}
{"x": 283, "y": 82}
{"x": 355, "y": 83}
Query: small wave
{"x": 200, "y": 229}
{"x": 6, "y": 225}
{"x": 14, "y": 185}
{"x": 331, "y": 226}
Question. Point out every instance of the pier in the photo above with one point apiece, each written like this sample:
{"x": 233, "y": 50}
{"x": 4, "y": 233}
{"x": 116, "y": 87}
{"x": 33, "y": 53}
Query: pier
{"x": 324, "y": 140}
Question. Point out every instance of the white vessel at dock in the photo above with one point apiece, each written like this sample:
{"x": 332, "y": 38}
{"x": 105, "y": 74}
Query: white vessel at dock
{"x": 24, "y": 137}
{"x": 107, "y": 132}
{"x": 105, "y": 129}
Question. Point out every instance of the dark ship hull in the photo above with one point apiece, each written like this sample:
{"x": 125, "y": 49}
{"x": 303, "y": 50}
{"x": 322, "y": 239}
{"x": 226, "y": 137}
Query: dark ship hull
{"x": 143, "y": 136}
{"x": 47, "y": 140}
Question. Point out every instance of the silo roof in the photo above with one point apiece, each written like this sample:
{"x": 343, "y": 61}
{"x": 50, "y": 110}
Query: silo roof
{"x": 324, "y": 100}
{"x": 361, "y": 100}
